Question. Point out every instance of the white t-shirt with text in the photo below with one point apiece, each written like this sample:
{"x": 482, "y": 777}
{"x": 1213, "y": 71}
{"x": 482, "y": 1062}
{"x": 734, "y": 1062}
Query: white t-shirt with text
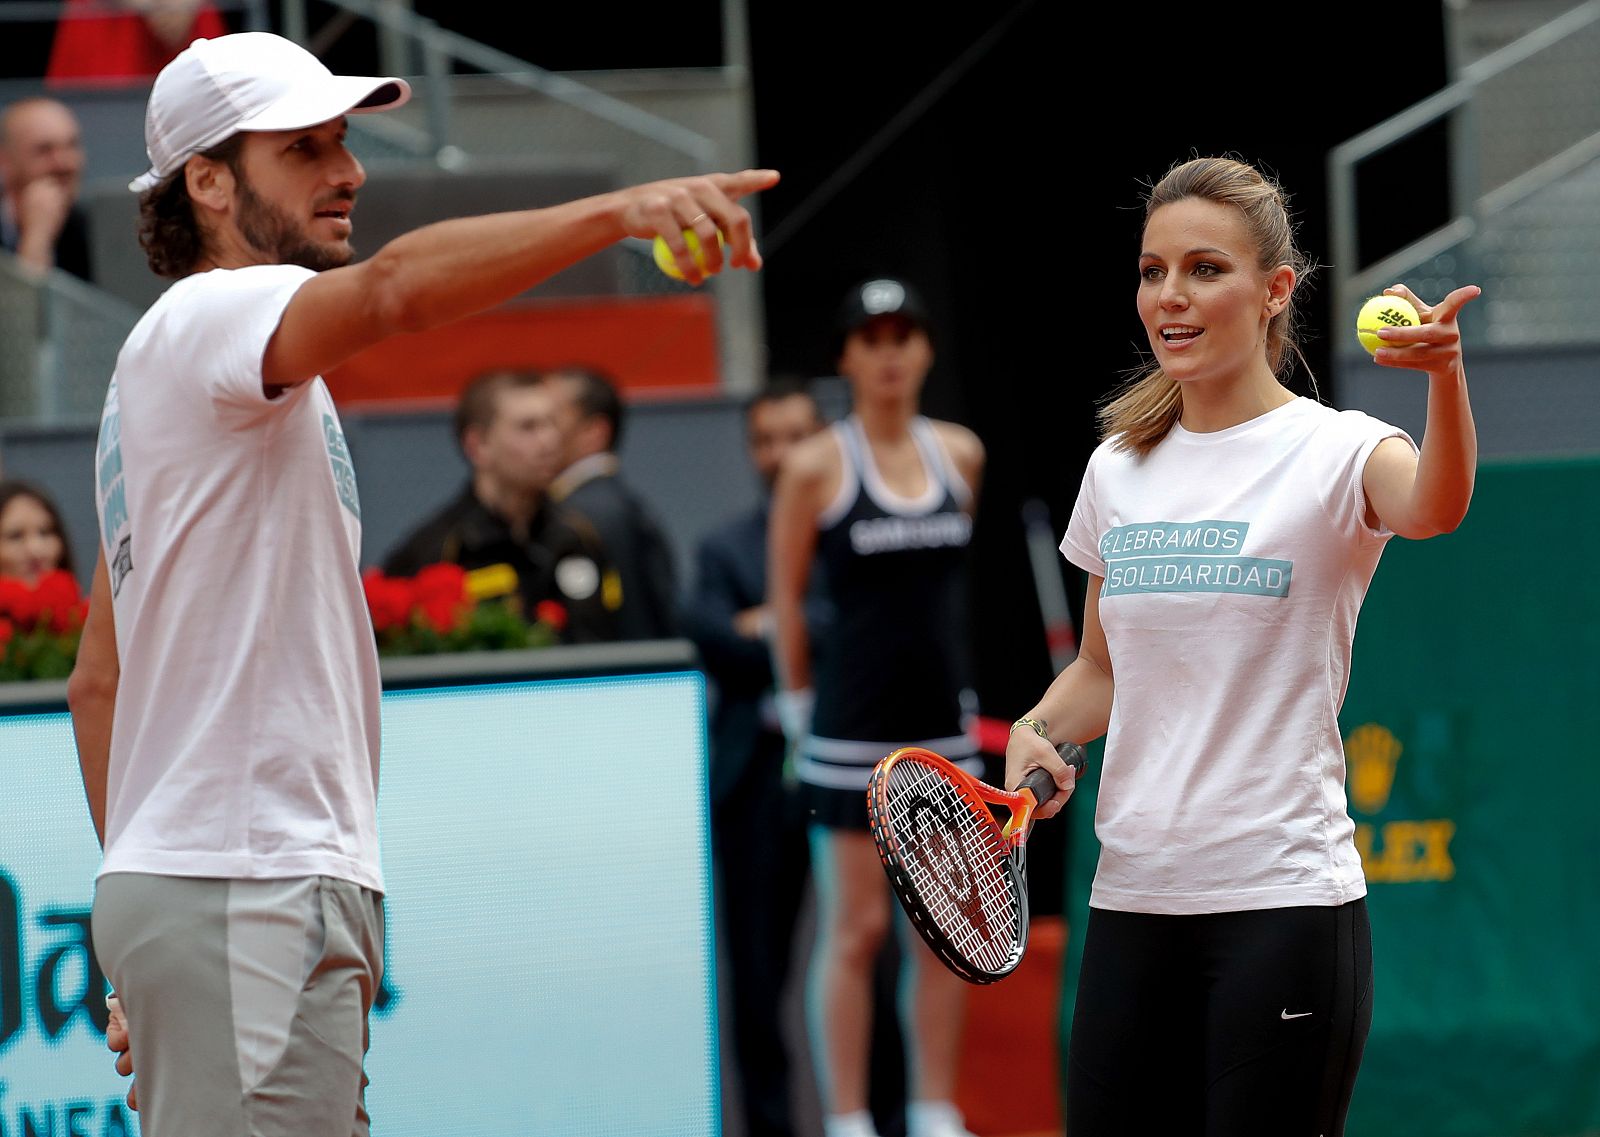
{"x": 245, "y": 737}
{"x": 1234, "y": 566}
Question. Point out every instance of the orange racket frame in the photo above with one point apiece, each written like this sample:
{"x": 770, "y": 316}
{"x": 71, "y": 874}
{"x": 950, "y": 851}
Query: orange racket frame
{"x": 958, "y": 873}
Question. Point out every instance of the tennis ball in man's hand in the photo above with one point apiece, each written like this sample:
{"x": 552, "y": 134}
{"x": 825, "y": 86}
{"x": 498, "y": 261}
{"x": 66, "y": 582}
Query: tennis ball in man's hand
{"x": 669, "y": 265}
{"x": 1384, "y": 312}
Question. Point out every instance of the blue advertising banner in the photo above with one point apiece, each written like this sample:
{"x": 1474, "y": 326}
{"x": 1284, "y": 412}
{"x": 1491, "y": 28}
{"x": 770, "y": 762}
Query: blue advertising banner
{"x": 543, "y": 937}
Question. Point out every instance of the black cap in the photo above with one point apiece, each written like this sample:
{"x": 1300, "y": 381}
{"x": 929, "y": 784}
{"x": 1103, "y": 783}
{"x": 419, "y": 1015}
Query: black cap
{"x": 880, "y": 296}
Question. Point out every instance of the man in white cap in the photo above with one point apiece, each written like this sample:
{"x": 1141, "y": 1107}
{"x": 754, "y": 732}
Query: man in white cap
{"x": 226, "y": 695}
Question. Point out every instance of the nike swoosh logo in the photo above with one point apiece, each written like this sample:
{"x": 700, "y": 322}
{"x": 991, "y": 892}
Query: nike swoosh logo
{"x": 1286, "y": 1016}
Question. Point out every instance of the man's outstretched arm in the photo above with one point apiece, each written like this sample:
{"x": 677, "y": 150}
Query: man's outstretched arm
{"x": 442, "y": 272}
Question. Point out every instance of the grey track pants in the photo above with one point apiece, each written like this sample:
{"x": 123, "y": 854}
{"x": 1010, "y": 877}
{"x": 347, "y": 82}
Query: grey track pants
{"x": 246, "y": 1000}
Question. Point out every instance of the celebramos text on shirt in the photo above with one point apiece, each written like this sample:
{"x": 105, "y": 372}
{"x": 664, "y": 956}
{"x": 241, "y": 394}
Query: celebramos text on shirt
{"x": 1167, "y": 537}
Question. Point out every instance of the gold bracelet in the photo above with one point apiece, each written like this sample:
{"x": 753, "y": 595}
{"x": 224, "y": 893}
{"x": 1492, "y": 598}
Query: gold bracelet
{"x": 1039, "y": 727}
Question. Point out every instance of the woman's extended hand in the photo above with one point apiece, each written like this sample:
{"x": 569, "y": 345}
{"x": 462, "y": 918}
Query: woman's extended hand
{"x": 1435, "y": 346}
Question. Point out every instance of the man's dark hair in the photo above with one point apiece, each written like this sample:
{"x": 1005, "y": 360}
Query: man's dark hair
{"x": 476, "y": 407}
{"x": 596, "y": 396}
{"x": 168, "y": 231}
{"x": 778, "y": 388}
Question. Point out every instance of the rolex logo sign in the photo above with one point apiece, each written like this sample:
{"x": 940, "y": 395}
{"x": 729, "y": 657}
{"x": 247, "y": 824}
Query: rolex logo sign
{"x": 1397, "y": 852}
{"x": 1371, "y": 752}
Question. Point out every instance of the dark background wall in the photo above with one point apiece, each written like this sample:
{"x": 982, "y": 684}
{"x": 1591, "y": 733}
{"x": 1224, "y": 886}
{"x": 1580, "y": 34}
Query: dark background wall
{"x": 1015, "y": 202}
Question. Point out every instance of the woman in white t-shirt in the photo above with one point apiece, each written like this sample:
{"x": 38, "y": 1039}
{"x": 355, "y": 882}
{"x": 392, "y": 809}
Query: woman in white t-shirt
{"x": 1230, "y": 530}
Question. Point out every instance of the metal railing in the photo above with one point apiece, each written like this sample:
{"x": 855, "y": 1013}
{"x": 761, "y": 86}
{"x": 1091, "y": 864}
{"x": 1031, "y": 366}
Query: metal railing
{"x": 59, "y": 339}
{"x": 431, "y": 51}
{"x": 1553, "y": 136}
{"x": 437, "y": 50}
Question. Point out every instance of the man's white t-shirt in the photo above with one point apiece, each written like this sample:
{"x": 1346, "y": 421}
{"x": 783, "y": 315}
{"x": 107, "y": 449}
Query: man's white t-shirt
{"x": 245, "y": 737}
{"x": 1234, "y": 564}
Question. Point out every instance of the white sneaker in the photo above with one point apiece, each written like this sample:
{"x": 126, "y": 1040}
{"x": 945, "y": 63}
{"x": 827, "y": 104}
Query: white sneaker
{"x": 857, "y": 1124}
{"x": 935, "y": 1119}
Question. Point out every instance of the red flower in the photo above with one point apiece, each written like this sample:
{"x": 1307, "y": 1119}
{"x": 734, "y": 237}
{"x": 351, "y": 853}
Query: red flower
{"x": 389, "y": 599}
{"x": 439, "y": 609}
{"x": 442, "y": 582}
{"x": 57, "y": 596}
{"x": 5, "y": 631}
{"x": 441, "y": 613}
{"x": 441, "y": 594}
{"x": 19, "y": 601}
{"x": 549, "y": 612}
{"x": 12, "y": 593}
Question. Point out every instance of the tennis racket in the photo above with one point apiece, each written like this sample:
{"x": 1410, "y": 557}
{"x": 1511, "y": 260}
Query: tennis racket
{"x": 960, "y": 875}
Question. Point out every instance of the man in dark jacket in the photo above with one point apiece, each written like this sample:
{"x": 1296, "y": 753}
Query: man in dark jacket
{"x": 503, "y": 528}
{"x": 589, "y": 412}
{"x": 757, "y": 819}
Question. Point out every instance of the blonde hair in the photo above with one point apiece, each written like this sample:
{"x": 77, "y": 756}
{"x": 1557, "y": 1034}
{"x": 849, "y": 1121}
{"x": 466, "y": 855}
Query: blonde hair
{"x": 1143, "y": 411}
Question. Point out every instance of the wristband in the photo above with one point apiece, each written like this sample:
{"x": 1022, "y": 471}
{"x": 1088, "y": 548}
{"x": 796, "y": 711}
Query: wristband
{"x": 794, "y": 712}
{"x": 1038, "y": 726}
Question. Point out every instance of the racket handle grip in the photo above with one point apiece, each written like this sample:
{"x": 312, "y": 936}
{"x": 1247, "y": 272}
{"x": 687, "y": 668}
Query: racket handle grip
{"x": 1040, "y": 781}
{"x": 1073, "y": 755}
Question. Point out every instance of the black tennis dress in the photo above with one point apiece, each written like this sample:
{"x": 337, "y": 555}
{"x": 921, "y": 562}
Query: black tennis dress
{"x": 893, "y": 671}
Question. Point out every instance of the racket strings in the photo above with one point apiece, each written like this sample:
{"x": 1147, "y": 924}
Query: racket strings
{"x": 958, "y": 863}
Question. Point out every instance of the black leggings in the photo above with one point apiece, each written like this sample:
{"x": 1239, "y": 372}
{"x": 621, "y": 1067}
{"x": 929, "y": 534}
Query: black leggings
{"x": 1235, "y": 1024}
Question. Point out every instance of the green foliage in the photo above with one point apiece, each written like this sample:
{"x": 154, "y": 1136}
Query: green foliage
{"x": 38, "y": 654}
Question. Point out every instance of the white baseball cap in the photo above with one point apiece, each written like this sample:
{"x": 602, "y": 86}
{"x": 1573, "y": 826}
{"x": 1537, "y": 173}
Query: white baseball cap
{"x": 215, "y": 88}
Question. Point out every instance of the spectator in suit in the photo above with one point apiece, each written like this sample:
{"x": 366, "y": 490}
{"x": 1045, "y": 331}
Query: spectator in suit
{"x": 757, "y": 818}
{"x": 503, "y": 521}
{"x": 589, "y": 412}
{"x": 41, "y": 166}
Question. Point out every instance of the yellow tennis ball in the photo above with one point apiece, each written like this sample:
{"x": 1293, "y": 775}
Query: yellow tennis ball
{"x": 669, "y": 265}
{"x": 1384, "y": 312}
